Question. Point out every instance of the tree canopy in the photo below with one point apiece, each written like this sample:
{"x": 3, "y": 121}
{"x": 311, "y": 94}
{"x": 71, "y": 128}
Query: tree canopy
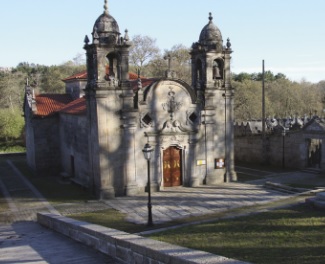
{"x": 283, "y": 97}
{"x": 142, "y": 51}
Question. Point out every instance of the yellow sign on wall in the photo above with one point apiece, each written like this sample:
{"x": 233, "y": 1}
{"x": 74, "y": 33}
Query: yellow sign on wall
{"x": 200, "y": 162}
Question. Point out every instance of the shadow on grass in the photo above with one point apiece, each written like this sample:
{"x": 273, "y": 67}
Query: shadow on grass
{"x": 51, "y": 187}
{"x": 12, "y": 146}
{"x": 292, "y": 235}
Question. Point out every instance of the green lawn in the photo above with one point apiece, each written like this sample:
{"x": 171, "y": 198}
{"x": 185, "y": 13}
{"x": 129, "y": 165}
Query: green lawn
{"x": 3, "y": 204}
{"x": 110, "y": 218}
{"x": 294, "y": 235}
{"x": 51, "y": 187}
{"x": 12, "y": 146}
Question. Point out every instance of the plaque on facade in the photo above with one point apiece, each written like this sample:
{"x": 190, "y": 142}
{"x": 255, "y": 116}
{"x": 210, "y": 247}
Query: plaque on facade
{"x": 219, "y": 163}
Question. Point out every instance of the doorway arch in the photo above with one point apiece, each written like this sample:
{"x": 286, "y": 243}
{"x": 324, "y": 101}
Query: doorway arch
{"x": 172, "y": 167}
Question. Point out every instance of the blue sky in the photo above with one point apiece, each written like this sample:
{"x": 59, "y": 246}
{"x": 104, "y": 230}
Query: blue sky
{"x": 287, "y": 34}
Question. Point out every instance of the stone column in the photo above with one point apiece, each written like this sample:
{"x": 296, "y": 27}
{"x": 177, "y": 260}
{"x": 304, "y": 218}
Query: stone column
{"x": 190, "y": 163}
{"x": 231, "y": 175}
{"x": 129, "y": 127}
{"x": 213, "y": 175}
{"x": 229, "y": 119}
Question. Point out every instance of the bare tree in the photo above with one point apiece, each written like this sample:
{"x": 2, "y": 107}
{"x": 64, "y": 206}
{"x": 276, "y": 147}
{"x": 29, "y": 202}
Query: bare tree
{"x": 142, "y": 51}
{"x": 181, "y": 61}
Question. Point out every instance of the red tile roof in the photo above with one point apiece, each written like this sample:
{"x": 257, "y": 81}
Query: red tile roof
{"x": 133, "y": 76}
{"x": 78, "y": 76}
{"x": 48, "y": 104}
{"x": 76, "y": 107}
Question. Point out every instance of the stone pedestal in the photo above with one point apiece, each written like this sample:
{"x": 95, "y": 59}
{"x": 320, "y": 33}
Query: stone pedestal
{"x": 154, "y": 187}
{"x": 107, "y": 193}
{"x": 215, "y": 177}
{"x": 194, "y": 182}
{"x": 131, "y": 189}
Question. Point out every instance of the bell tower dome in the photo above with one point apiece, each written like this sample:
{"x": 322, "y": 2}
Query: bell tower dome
{"x": 107, "y": 55}
{"x": 209, "y": 60}
{"x": 106, "y": 30}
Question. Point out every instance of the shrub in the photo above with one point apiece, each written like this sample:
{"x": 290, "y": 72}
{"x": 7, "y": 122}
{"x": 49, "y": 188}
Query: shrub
{"x": 11, "y": 124}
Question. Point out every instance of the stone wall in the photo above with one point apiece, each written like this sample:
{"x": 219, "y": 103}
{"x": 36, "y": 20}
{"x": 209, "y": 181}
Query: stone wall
{"x": 46, "y": 145}
{"x": 74, "y": 148}
{"x": 125, "y": 247}
{"x": 75, "y": 88}
{"x": 249, "y": 149}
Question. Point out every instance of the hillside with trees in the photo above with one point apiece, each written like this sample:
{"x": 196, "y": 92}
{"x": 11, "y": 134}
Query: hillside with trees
{"x": 283, "y": 97}
{"x": 44, "y": 79}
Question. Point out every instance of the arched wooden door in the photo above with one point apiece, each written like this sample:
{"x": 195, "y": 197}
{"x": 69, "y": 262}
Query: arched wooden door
{"x": 172, "y": 159}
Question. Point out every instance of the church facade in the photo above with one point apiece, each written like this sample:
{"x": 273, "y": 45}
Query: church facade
{"x": 97, "y": 139}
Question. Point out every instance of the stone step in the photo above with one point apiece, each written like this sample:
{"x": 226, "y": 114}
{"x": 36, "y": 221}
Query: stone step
{"x": 320, "y": 204}
{"x": 320, "y": 196}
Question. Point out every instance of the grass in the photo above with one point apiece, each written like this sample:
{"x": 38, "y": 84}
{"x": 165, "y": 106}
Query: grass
{"x": 50, "y": 187}
{"x": 110, "y": 218}
{"x": 56, "y": 192}
{"x": 13, "y": 146}
{"x": 3, "y": 204}
{"x": 294, "y": 235}
{"x": 115, "y": 219}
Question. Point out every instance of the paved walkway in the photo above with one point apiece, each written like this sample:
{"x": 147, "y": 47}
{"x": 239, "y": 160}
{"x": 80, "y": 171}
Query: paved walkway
{"x": 30, "y": 243}
{"x": 179, "y": 202}
{"x": 22, "y": 240}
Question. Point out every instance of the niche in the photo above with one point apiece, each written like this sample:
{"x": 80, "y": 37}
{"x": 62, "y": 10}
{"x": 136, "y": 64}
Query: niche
{"x": 217, "y": 69}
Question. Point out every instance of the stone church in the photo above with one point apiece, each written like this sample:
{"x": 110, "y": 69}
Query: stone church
{"x": 95, "y": 132}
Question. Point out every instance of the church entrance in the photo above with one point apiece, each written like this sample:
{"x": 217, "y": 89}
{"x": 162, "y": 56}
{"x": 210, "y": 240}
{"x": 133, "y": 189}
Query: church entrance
{"x": 172, "y": 160}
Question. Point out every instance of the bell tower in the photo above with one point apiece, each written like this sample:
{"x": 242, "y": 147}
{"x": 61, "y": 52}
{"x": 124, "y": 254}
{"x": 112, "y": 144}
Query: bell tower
{"x": 211, "y": 80}
{"x": 109, "y": 98}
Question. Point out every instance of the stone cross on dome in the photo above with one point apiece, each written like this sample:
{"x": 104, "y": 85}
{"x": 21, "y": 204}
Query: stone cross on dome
{"x": 106, "y": 7}
{"x": 210, "y": 17}
{"x": 169, "y": 58}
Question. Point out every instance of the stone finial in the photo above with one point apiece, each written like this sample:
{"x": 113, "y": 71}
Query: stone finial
{"x": 228, "y": 44}
{"x": 169, "y": 58}
{"x": 126, "y": 36}
{"x": 95, "y": 36}
{"x": 86, "y": 40}
{"x": 210, "y": 17}
{"x": 106, "y": 8}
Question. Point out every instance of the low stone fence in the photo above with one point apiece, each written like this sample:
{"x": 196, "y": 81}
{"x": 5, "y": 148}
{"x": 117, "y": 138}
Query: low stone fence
{"x": 125, "y": 247}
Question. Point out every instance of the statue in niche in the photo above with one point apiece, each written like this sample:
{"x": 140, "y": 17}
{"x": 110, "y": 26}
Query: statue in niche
{"x": 216, "y": 70}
